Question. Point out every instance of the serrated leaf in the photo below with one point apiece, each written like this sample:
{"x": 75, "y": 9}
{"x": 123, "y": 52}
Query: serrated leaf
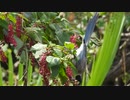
{"x": 34, "y": 33}
{"x": 62, "y": 75}
{"x": 55, "y": 71}
{"x": 52, "y": 26}
{"x": 38, "y": 46}
{"x": 53, "y": 61}
{"x": 62, "y": 37}
{"x": 19, "y": 42}
{"x": 44, "y": 18}
{"x": 39, "y": 53}
{"x": 32, "y": 29}
{"x": 58, "y": 52}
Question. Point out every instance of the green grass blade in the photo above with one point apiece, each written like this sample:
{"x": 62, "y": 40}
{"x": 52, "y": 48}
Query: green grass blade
{"x": 83, "y": 79}
{"x": 29, "y": 73}
{"x": 39, "y": 81}
{"x": 10, "y": 65}
{"x": 1, "y": 78}
{"x": 20, "y": 74}
{"x": 108, "y": 50}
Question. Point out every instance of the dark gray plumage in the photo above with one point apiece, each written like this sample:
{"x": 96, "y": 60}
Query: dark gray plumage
{"x": 82, "y": 50}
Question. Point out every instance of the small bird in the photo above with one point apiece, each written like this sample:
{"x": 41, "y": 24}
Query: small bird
{"x": 81, "y": 52}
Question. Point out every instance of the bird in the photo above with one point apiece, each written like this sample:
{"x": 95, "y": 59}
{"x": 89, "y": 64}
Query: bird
{"x": 81, "y": 52}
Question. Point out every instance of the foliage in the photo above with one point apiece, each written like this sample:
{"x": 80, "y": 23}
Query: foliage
{"x": 39, "y": 48}
{"x": 29, "y": 35}
{"x": 110, "y": 44}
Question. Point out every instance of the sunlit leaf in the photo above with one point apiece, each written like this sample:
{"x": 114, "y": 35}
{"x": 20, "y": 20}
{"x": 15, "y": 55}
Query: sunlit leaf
{"x": 53, "y": 60}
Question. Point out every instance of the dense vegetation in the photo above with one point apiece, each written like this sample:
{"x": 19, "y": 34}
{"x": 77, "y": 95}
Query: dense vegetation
{"x": 38, "y": 48}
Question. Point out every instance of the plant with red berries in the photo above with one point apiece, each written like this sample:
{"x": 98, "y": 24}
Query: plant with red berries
{"x": 18, "y": 26}
{"x": 75, "y": 39}
{"x": 9, "y": 38}
{"x": 43, "y": 50}
{"x": 2, "y": 56}
{"x": 44, "y": 70}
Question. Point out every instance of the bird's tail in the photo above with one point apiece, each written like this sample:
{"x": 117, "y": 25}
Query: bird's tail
{"x": 90, "y": 28}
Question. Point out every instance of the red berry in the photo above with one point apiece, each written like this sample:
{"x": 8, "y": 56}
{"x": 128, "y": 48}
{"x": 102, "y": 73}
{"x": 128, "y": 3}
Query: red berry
{"x": 69, "y": 72}
{"x": 33, "y": 60}
{"x": 2, "y": 56}
{"x": 18, "y": 26}
{"x": 44, "y": 70}
{"x": 13, "y": 41}
{"x": 9, "y": 38}
{"x": 73, "y": 39}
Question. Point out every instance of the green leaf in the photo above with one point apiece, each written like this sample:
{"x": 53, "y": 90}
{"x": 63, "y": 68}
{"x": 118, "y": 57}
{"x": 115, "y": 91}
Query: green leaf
{"x": 44, "y": 18}
{"x": 39, "y": 81}
{"x": 53, "y": 61}
{"x": 55, "y": 71}
{"x": 37, "y": 54}
{"x": 74, "y": 70}
{"x": 38, "y": 46}
{"x": 51, "y": 15}
{"x": 39, "y": 49}
{"x": 34, "y": 33}
{"x": 12, "y": 18}
{"x": 108, "y": 49}
{"x": 62, "y": 75}
{"x": 27, "y": 14}
{"x": 10, "y": 65}
{"x": 4, "y": 24}
{"x": 1, "y": 35}
{"x": 69, "y": 45}
{"x": 20, "y": 74}
{"x": 62, "y": 37}
{"x": 23, "y": 57}
{"x": 58, "y": 52}
{"x": 52, "y": 26}
{"x": 19, "y": 42}
{"x": 22, "y": 16}
{"x": 29, "y": 73}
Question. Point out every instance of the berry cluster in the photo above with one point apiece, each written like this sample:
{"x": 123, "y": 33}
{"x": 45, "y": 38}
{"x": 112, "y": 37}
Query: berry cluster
{"x": 29, "y": 45}
{"x": 69, "y": 72}
{"x": 33, "y": 60}
{"x": 73, "y": 39}
{"x": 9, "y": 38}
{"x": 2, "y": 56}
{"x": 44, "y": 70}
{"x": 18, "y": 26}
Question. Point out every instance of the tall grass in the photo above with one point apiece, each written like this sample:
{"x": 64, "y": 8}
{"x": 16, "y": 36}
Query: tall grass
{"x": 39, "y": 81}
{"x": 106, "y": 54}
{"x": 20, "y": 74}
{"x": 29, "y": 73}
{"x": 10, "y": 65}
